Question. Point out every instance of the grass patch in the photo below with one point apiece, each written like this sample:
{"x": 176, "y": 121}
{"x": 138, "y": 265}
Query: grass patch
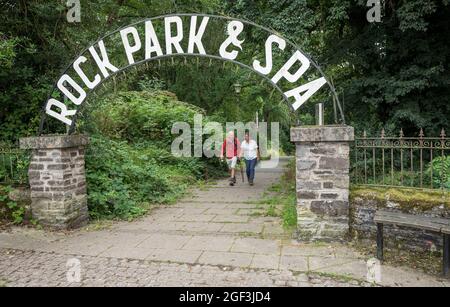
{"x": 280, "y": 199}
{"x": 340, "y": 278}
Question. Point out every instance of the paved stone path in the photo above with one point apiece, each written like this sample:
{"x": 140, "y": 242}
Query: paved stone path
{"x": 214, "y": 237}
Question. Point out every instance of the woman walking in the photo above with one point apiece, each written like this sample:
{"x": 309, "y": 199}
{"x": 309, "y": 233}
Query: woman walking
{"x": 250, "y": 151}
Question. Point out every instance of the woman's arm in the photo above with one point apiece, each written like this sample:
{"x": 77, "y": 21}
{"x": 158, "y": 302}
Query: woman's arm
{"x": 258, "y": 155}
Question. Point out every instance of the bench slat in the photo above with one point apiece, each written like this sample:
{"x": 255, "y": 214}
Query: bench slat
{"x": 409, "y": 220}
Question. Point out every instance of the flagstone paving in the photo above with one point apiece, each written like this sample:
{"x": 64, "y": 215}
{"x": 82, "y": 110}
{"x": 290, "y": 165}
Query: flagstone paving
{"x": 216, "y": 236}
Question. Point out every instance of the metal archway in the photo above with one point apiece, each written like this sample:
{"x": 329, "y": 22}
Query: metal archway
{"x": 212, "y": 56}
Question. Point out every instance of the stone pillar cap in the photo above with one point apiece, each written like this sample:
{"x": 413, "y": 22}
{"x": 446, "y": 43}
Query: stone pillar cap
{"x": 332, "y": 133}
{"x": 54, "y": 141}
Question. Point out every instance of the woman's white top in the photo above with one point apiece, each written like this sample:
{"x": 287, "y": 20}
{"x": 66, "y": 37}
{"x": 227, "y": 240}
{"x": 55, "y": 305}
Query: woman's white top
{"x": 249, "y": 149}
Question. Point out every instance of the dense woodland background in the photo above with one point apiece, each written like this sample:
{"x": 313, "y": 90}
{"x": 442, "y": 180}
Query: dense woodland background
{"x": 392, "y": 75}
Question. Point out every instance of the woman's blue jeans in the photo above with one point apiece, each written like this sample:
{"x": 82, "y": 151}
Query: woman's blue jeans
{"x": 250, "y": 166}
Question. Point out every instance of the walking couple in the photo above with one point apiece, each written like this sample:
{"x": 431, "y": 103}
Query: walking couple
{"x": 233, "y": 151}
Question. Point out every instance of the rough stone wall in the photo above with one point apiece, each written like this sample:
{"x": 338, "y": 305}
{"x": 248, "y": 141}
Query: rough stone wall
{"x": 57, "y": 181}
{"x": 362, "y": 211}
{"x": 322, "y": 156}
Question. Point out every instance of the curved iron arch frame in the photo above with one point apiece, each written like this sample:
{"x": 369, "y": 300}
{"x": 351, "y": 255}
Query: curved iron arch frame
{"x": 318, "y": 68}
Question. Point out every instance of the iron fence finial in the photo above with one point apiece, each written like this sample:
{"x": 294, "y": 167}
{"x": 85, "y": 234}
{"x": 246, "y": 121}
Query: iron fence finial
{"x": 421, "y": 134}
{"x": 406, "y": 160}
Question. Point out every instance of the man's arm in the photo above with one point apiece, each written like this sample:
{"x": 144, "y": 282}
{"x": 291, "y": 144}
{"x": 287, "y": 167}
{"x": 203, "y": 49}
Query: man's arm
{"x": 239, "y": 151}
{"x": 221, "y": 150}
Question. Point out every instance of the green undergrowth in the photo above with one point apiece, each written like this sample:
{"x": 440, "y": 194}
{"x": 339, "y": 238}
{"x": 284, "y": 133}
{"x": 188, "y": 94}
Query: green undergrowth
{"x": 129, "y": 164}
{"x": 11, "y": 212}
{"x": 280, "y": 199}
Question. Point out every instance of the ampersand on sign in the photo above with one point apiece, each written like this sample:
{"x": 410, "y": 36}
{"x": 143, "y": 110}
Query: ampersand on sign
{"x": 234, "y": 29}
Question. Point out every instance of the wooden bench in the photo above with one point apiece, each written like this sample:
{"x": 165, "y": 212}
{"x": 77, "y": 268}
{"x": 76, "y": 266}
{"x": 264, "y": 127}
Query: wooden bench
{"x": 438, "y": 225}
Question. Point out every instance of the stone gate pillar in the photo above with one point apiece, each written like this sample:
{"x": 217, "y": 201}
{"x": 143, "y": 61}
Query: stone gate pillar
{"x": 57, "y": 180}
{"x": 322, "y": 159}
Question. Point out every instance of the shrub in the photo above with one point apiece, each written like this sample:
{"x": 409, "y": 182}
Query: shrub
{"x": 141, "y": 116}
{"x": 122, "y": 179}
{"x": 129, "y": 165}
{"x": 441, "y": 172}
{"x": 9, "y": 209}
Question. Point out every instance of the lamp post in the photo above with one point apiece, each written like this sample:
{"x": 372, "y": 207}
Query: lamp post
{"x": 320, "y": 113}
{"x": 237, "y": 87}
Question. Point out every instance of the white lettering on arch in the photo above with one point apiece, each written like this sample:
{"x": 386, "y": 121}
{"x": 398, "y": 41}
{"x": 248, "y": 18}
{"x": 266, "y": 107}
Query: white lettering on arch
{"x": 309, "y": 89}
{"x": 195, "y": 39}
{"x": 62, "y": 87}
{"x": 173, "y": 40}
{"x": 141, "y": 42}
{"x": 63, "y": 111}
{"x": 284, "y": 71}
{"x": 90, "y": 84}
{"x": 130, "y": 49}
{"x": 271, "y": 40}
{"x": 102, "y": 62}
{"x": 151, "y": 41}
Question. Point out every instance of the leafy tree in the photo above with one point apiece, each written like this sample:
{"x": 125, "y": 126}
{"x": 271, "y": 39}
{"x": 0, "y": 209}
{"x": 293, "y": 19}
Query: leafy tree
{"x": 392, "y": 74}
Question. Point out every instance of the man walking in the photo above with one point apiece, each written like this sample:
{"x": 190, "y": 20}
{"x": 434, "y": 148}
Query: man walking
{"x": 231, "y": 148}
{"x": 250, "y": 151}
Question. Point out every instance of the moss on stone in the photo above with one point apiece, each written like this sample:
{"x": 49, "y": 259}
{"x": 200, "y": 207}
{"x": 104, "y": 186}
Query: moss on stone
{"x": 408, "y": 199}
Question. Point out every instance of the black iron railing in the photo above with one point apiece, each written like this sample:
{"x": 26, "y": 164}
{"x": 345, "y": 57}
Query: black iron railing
{"x": 419, "y": 162}
{"x": 14, "y": 164}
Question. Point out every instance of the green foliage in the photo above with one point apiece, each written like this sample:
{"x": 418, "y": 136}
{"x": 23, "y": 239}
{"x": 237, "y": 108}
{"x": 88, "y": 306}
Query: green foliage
{"x": 121, "y": 180}
{"x": 434, "y": 174}
{"x": 129, "y": 164}
{"x": 7, "y": 53}
{"x": 36, "y": 43}
{"x": 13, "y": 165}
{"x": 282, "y": 200}
{"x": 140, "y": 116}
{"x": 290, "y": 205}
{"x": 391, "y": 74}
{"x": 440, "y": 168}
{"x": 124, "y": 179}
{"x": 9, "y": 209}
